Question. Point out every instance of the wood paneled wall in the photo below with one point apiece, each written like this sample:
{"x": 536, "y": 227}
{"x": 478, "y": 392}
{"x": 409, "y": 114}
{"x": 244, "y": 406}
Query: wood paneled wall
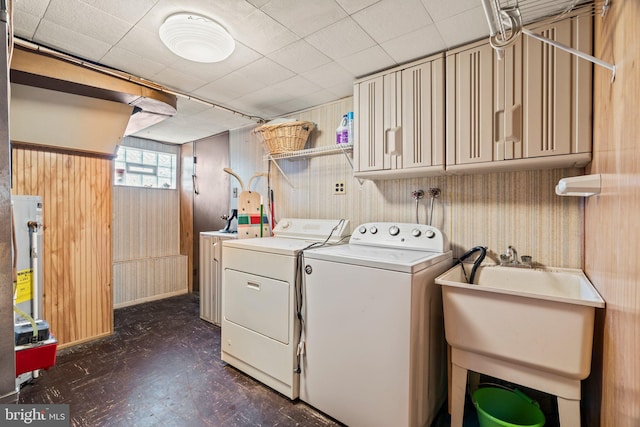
{"x": 77, "y": 209}
{"x": 147, "y": 263}
{"x": 612, "y": 242}
{"x": 495, "y": 210}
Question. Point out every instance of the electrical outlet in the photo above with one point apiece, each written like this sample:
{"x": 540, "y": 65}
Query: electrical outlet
{"x": 235, "y": 192}
{"x": 339, "y": 188}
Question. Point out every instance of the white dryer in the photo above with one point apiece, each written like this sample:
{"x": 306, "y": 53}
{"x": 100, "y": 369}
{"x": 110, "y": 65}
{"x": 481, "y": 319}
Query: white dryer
{"x": 373, "y": 328}
{"x": 261, "y": 297}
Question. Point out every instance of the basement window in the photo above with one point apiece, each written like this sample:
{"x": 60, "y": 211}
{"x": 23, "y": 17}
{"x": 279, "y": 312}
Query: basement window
{"x": 145, "y": 168}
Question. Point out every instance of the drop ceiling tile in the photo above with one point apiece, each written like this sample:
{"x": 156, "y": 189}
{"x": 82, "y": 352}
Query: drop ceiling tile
{"x": 414, "y": 45}
{"x": 127, "y": 10}
{"x": 175, "y": 130}
{"x": 263, "y": 34}
{"x": 32, "y": 7}
{"x": 129, "y": 62}
{"x": 229, "y": 13}
{"x": 147, "y": 44}
{"x": 229, "y": 87}
{"x": 342, "y": 89}
{"x": 440, "y": 10}
{"x": 341, "y": 39}
{"x": 266, "y": 71}
{"x": 84, "y": 19}
{"x": 320, "y": 97}
{"x": 304, "y": 17}
{"x": 389, "y": 19}
{"x": 367, "y": 61}
{"x": 258, "y": 3}
{"x": 352, "y": 6}
{"x": 464, "y": 27}
{"x": 294, "y": 104}
{"x": 299, "y": 57}
{"x": 296, "y": 86}
{"x": 329, "y": 75}
{"x": 188, "y": 106}
{"x": 65, "y": 40}
{"x": 230, "y": 120}
{"x": 25, "y": 24}
{"x": 240, "y": 57}
{"x": 178, "y": 80}
{"x": 263, "y": 102}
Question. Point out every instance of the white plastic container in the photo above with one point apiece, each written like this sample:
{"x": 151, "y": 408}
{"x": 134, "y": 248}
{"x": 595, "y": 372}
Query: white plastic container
{"x": 342, "y": 132}
{"x": 350, "y": 127}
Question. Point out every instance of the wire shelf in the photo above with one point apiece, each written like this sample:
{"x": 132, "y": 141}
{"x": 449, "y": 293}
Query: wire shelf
{"x": 311, "y": 152}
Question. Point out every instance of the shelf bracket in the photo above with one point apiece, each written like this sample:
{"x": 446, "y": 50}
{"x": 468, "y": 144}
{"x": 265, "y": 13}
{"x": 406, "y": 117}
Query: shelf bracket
{"x": 310, "y": 152}
{"x": 284, "y": 175}
{"x": 360, "y": 181}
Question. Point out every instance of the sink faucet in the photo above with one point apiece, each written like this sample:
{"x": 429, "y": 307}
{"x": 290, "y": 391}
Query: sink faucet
{"x": 476, "y": 263}
{"x": 510, "y": 259}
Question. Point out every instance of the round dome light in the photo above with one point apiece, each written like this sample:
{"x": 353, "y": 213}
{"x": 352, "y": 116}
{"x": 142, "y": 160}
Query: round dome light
{"x": 196, "y": 38}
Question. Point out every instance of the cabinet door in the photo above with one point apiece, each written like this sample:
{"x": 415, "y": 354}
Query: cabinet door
{"x": 557, "y": 95}
{"x": 216, "y": 275}
{"x": 368, "y": 102}
{"x": 470, "y": 109}
{"x": 423, "y": 115}
{"x": 207, "y": 279}
{"x": 508, "y": 141}
{"x": 392, "y": 114}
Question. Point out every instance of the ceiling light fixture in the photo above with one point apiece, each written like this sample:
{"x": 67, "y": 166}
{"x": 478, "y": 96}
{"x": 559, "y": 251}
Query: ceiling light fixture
{"x": 196, "y": 38}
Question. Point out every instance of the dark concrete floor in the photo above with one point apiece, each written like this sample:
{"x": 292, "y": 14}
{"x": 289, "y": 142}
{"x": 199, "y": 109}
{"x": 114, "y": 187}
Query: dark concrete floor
{"x": 162, "y": 367}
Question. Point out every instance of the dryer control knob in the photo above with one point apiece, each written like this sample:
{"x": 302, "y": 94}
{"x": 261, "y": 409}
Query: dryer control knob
{"x": 394, "y": 230}
{"x": 416, "y": 232}
{"x": 362, "y": 229}
{"x": 373, "y": 229}
{"x": 284, "y": 224}
{"x": 308, "y": 269}
{"x": 430, "y": 234}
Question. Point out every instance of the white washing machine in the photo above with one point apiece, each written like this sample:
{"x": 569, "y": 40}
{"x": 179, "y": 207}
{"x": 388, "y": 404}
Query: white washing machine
{"x": 261, "y": 295}
{"x": 373, "y": 328}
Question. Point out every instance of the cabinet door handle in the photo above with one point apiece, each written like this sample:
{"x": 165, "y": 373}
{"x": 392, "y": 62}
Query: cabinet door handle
{"x": 253, "y": 285}
{"x": 393, "y": 141}
{"x": 497, "y": 128}
{"x": 516, "y": 123}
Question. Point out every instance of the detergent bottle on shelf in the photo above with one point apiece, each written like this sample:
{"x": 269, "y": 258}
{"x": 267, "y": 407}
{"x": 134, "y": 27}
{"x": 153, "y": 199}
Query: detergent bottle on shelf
{"x": 342, "y": 132}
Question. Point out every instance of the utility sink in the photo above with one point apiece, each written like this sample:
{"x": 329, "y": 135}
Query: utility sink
{"x": 532, "y": 327}
{"x": 542, "y": 318}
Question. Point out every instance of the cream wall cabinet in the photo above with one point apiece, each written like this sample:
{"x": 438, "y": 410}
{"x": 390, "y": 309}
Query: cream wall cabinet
{"x": 399, "y": 114}
{"x": 532, "y": 109}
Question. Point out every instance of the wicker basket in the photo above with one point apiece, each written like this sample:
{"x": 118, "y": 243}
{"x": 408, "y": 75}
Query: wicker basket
{"x": 285, "y": 137}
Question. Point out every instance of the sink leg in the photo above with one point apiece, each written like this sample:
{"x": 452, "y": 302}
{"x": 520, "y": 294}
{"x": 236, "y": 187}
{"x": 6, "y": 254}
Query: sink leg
{"x": 569, "y": 412}
{"x": 458, "y": 393}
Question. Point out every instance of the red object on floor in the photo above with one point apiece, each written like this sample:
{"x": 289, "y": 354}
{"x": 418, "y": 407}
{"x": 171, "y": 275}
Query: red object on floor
{"x": 34, "y": 357}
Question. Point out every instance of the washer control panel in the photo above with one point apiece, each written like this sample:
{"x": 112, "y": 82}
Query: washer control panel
{"x": 401, "y": 236}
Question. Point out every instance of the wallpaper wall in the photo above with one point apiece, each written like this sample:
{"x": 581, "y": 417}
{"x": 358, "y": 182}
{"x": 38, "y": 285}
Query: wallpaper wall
{"x": 495, "y": 210}
{"x": 147, "y": 263}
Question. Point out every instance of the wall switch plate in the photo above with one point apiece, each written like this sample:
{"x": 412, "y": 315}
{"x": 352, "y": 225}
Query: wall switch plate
{"x": 235, "y": 192}
{"x": 339, "y": 188}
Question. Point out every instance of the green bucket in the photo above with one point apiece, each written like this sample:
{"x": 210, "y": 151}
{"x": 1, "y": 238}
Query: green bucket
{"x": 498, "y": 407}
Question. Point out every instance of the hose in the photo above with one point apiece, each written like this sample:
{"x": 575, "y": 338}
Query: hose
{"x": 476, "y": 263}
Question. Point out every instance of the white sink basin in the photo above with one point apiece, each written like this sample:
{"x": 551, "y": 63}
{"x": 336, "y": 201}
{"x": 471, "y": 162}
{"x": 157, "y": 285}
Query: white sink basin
{"x": 538, "y": 318}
